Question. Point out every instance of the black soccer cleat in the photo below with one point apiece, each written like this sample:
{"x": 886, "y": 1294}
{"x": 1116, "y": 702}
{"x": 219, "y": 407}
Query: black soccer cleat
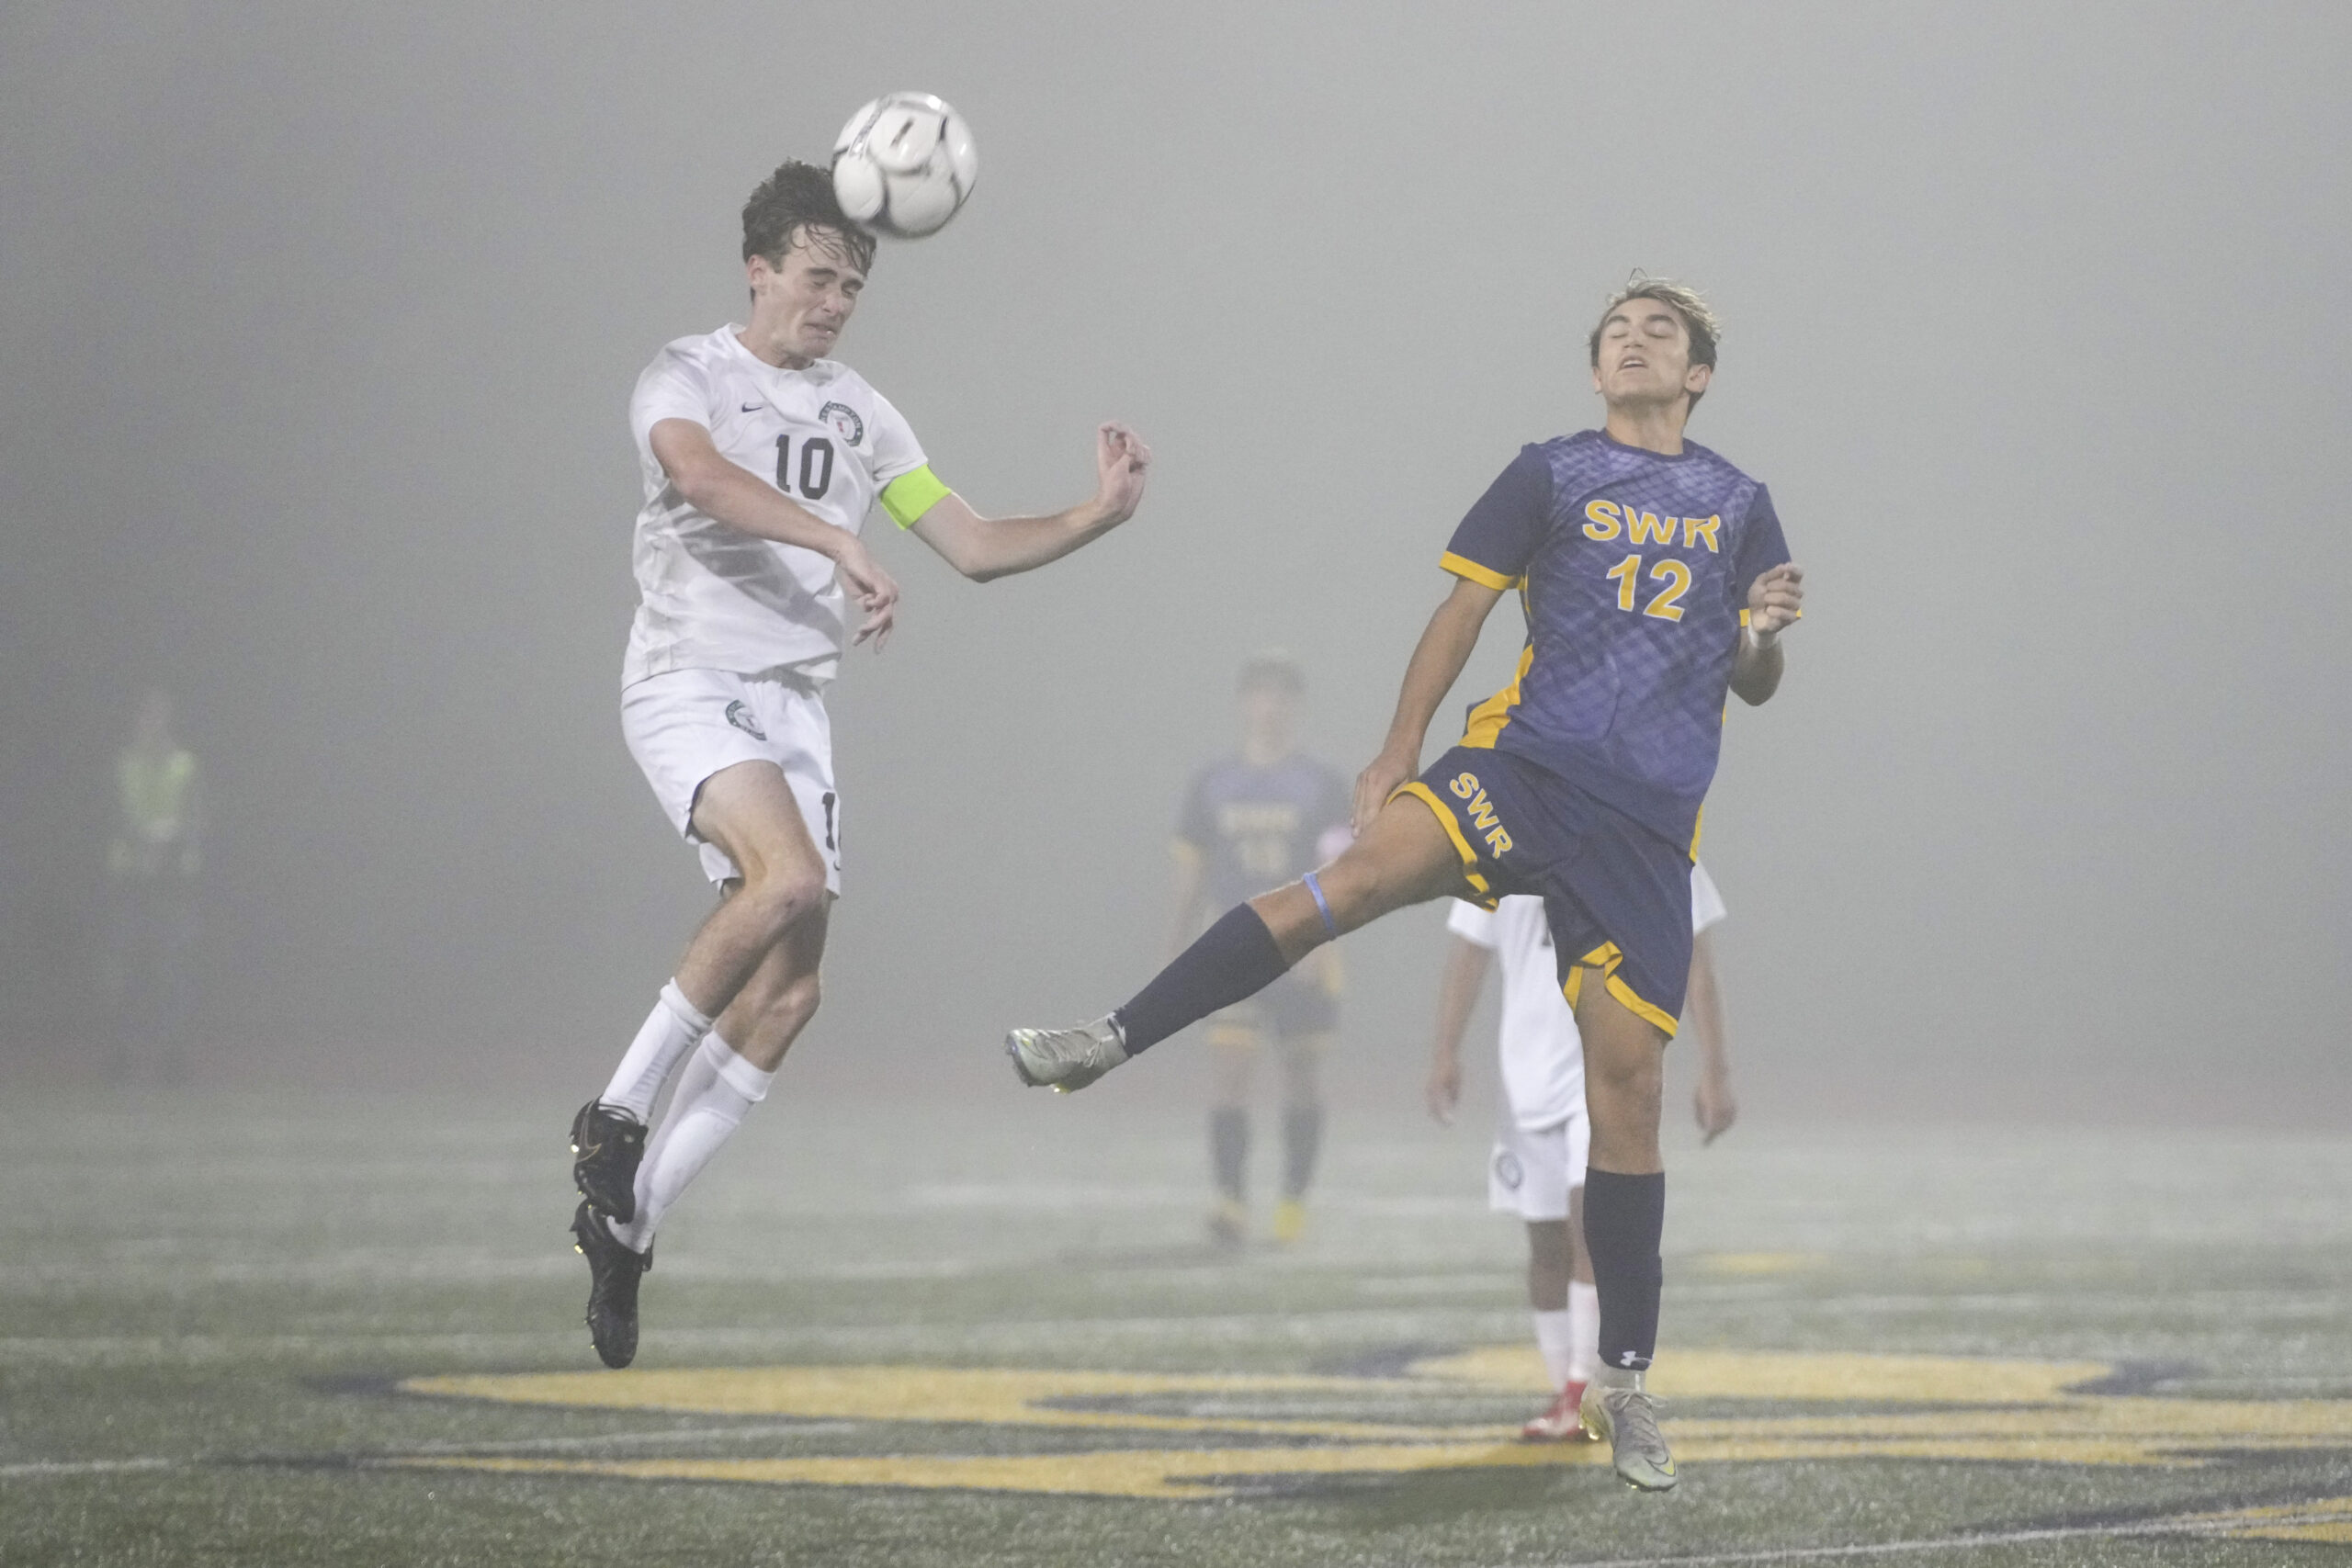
{"x": 612, "y": 1275}
{"x": 607, "y": 1146}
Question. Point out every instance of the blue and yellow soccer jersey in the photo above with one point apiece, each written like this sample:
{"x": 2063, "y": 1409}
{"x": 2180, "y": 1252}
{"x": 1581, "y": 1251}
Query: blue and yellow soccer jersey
{"x": 1637, "y": 569}
{"x": 1256, "y": 829}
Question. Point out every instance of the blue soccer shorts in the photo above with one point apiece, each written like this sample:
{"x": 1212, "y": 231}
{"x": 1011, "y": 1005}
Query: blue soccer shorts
{"x": 1617, "y": 894}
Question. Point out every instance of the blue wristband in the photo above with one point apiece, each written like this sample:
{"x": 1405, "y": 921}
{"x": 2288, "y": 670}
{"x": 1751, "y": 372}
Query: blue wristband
{"x": 1323, "y": 904}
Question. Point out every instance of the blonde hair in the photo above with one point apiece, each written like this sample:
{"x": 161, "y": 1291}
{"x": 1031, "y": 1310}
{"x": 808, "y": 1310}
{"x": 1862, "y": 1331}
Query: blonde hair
{"x": 1704, "y": 328}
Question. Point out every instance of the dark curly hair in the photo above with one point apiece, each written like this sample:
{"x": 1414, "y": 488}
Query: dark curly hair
{"x": 796, "y": 199}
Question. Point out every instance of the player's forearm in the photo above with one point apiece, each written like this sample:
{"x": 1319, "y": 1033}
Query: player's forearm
{"x": 749, "y": 504}
{"x": 1755, "y": 671}
{"x": 1003, "y": 546}
{"x": 1445, "y": 647}
{"x": 1706, "y": 1007}
{"x": 1457, "y": 996}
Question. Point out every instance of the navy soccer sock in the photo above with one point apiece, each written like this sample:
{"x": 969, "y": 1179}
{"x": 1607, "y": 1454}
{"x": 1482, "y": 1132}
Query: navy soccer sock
{"x": 1623, "y": 1218}
{"x": 1229, "y": 1148}
{"x": 1233, "y": 959}
{"x": 1302, "y": 1140}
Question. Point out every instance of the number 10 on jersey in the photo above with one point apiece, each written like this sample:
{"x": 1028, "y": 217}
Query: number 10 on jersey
{"x": 815, "y": 475}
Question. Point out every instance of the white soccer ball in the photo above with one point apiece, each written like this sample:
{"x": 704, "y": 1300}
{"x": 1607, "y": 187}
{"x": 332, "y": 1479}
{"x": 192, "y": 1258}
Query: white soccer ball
{"x": 903, "y": 165}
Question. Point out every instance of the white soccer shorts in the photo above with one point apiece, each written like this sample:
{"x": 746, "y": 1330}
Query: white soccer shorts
{"x": 684, "y": 725}
{"x": 1533, "y": 1169}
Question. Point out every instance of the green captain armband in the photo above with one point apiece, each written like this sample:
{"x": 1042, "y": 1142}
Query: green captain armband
{"x": 909, "y": 496}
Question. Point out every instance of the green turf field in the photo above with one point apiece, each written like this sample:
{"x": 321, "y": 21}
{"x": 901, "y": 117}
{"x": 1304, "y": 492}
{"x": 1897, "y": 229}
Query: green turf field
{"x": 333, "y": 1332}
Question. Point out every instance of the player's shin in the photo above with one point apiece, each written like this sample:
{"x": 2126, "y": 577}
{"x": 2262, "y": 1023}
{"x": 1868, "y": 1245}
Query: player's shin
{"x": 1624, "y": 1217}
{"x": 1230, "y": 1149}
{"x": 1302, "y": 1143}
{"x": 1233, "y": 959}
{"x": 670, "y": 1031}
{"x": 714, "y": 1092}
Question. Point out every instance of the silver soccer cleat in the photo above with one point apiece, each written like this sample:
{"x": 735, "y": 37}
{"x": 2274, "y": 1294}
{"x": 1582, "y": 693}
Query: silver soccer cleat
{"x": 1618, "y": 1410}
{"x": 1066, "y": 1059}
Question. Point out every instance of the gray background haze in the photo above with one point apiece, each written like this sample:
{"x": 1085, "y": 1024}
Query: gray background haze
{"x": 317, "y": 327}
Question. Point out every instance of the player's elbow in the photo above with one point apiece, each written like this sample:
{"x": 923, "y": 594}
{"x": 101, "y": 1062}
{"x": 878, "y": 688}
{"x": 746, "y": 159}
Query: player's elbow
{"x": 984, "y": 559}
{"x": 697, "y": 484}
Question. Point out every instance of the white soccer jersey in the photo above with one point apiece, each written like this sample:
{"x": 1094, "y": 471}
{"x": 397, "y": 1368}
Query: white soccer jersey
{"x": 1543, "y": 1055}
{"x": 714, "y": 598}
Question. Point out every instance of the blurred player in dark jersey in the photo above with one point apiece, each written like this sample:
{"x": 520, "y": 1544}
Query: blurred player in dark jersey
{"x": 1658, "y": 584}
{"x": 1267, "y": 815}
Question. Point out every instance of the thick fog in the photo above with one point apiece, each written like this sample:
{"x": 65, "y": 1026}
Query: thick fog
{"x": 317, "y": 326}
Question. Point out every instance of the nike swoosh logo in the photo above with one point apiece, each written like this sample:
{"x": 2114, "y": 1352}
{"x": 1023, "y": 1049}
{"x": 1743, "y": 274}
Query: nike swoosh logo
{"x": 753, "y": 408}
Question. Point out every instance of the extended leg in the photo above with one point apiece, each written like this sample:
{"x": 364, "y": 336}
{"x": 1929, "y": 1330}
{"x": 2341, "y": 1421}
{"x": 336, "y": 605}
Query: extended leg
{"x": 1403, "y": 858}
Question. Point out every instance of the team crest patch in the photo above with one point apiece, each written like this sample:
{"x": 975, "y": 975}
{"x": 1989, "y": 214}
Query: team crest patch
{"x": 739, "y": 715}
{"x": 844, "y": 422}
{"x": 1508, "y": 1169}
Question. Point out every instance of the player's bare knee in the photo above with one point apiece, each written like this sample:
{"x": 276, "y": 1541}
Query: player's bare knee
{"x": 1626, "y": 1091}
{"x": 780, "y": 899}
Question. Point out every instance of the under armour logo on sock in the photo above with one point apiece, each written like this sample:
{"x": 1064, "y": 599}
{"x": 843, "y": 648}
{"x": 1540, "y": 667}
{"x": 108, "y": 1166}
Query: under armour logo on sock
{"x": 1629, "y": 1357}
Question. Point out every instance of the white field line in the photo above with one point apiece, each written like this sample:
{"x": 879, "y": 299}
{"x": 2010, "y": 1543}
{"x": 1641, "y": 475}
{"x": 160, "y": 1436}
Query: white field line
{"x": 36, "y": 1469}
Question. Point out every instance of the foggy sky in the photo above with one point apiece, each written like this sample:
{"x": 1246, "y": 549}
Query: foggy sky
{"x": 318, "y": 326}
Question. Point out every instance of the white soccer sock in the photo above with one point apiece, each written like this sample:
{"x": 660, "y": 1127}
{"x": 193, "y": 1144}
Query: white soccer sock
{"x": 668, "y": 1033}
{"x": 1553, "y": 1336}
{"x": 1584, "y": 1330}
{"x": 714, "y": 1092}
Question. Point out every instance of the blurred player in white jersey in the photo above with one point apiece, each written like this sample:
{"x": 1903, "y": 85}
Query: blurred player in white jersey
{"x": 761, "y": 458}
{"x": 1541, "y": 1131}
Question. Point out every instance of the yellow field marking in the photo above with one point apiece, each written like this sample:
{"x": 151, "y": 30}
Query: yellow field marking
{"x": 1946, "y": 1407}
{"x": 936, "y": 1394}
{"x": 1785, "y": 1375}
{"x": 1125, "y": 1473}
{"x": 2328, "y": 1519}
{"x": 1748, "y": 1263}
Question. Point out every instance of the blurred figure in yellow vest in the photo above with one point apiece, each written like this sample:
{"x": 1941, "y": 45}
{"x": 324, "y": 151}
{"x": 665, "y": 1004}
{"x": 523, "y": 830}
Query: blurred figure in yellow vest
{"x": 152, "y": 867}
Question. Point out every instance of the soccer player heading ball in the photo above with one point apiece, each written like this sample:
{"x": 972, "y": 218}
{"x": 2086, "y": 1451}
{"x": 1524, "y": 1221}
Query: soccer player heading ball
{"x": 1655, "y": 577}
{"x": 761, "y": 458}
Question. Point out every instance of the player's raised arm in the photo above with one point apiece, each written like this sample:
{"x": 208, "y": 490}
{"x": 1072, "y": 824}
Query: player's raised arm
{"x": 719, "y": 488}
{"x": 985, "y": 548}
{"x": 1445, "y": 645}
{"x": 1775, "y": 600}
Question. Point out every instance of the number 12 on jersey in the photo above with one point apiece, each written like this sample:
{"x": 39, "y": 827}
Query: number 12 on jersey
{"x": 1667, "y": 603}
{"x": 816, "y": 474}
